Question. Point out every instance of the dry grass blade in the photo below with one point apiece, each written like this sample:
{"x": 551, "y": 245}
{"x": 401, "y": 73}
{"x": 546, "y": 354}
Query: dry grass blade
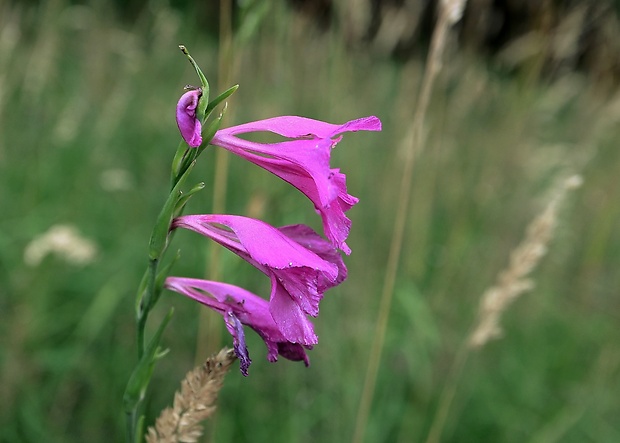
{"x": 450, "y": 12}
{"x": 194, "y": 403}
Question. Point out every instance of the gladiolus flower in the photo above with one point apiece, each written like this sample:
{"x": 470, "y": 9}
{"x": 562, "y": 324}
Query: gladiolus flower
{"x": 304, "y": 163}
{"x": 187, "y": 122}
{"x": 240, "y": 307}
{"x": 300, "y": 264}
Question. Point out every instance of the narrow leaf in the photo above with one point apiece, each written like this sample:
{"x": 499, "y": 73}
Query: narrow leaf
{"x": 159, "y": 237}
{"x": 141, "y": 376}
{"x": 220, "y": 98}
{"x": 202, "y": 104}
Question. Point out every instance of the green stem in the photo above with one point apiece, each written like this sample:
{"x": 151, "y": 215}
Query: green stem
{"x": 146, "y": 304}
{"x": 151, "y": 284}
{"x": 148, "y": 296}
{"x": 130, "y": 430}
{"x": 145, "y": 308}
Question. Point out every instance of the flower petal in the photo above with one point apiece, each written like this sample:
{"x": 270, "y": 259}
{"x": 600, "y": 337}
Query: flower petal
{"x": 293, "y": 126}
{"x": 301, "y": 274}
{"x": 239, "y": 306}
{"x": 303, "y": 162}
{"x": 289, "y": 316}
{"x": 305, "y": 236}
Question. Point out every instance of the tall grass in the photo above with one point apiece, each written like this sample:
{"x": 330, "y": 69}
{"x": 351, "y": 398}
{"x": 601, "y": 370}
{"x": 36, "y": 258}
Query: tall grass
{"x": 82, "y": 94}
{"x": 414, "y": 142}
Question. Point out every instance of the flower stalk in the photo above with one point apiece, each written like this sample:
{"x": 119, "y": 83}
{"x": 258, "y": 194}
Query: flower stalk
{"x": 300, "y": 264}
{"x": 193, "y": 111}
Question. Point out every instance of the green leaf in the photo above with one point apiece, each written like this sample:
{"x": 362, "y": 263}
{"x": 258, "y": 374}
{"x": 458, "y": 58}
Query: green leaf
{"x": 190, "y": 157}
{"x": 161, "y": 278}
{"x": 185, "y": 197}
{"x": 141, "y": 376}
{"x": 182, "y": 152}
{"x": 139, "y": 429}
{"x": 209, "y": 132}
{"x": 159, "y": 236}
{"x": 220, "y": 98}
{"x": 141, "y": 293}
{"x": 204, "y": 100}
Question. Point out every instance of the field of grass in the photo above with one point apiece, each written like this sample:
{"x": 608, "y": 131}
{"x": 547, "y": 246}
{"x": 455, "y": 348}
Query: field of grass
{"x": 87, "y": 133}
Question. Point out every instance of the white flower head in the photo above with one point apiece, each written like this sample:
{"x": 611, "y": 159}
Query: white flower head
{"x": 64, "y": 241}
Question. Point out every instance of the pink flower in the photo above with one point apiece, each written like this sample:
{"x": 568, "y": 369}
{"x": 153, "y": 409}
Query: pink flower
{"x": 187, "y": 122}
{"x": 240, "y": 307}
{"x": 304, "y": 163}
{"x": 300, "y": 264}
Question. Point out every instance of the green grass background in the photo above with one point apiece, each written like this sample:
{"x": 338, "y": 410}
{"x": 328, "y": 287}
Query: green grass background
{"x": 82, "y": 92}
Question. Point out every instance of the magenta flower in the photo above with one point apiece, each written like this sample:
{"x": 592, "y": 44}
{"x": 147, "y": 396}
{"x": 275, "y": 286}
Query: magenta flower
{"x": 304, "y": 163}
{"x": 300, "y": 264}
{"x": 240, "y": 307}
{"x": 187, "y": 122}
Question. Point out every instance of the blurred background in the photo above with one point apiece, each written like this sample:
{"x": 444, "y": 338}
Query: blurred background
{"x": 526, "y": 96}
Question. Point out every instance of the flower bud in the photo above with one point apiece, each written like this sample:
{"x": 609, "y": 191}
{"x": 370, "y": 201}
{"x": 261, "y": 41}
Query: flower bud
{"x": 188, "y": 123}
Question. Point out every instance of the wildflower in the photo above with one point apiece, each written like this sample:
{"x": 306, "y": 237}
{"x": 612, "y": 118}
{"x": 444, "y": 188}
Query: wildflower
{"x": 66, "y": 242}
{"x": 300, "y": 264}
{"x": 187, "y": 122}
{"x": 304, "y": 163}
{"x": 240, "y": 307}
{"x": 116, "y": 179}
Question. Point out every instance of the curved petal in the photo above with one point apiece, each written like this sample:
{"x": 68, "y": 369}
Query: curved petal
{"x": 289, "y": 316}
{"x": 305, "y": 236}
{"x": 239, "y": 306}
{"x": 303, "y": 162}
{"x": 293, "y": 126}
{"x": 303, "y": 273}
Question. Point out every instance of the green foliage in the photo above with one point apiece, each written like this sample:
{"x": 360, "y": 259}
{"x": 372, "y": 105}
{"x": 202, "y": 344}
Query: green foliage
{"x": 140, "y": 379}
{"x": 82, "y": 95}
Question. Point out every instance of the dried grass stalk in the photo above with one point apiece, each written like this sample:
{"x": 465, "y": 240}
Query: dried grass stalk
{"x": 194, "y": 403}
{"x": 449, "y": 13}
{"x": 513, "y": 281}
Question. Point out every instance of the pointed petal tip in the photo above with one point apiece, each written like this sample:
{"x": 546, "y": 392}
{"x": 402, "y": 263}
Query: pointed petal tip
{"x": 370, "y": 123}
{"x": 374, "y": 124}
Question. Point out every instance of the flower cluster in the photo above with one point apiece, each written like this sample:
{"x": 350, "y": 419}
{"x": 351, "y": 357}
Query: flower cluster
{"x": 300, "y": 264}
